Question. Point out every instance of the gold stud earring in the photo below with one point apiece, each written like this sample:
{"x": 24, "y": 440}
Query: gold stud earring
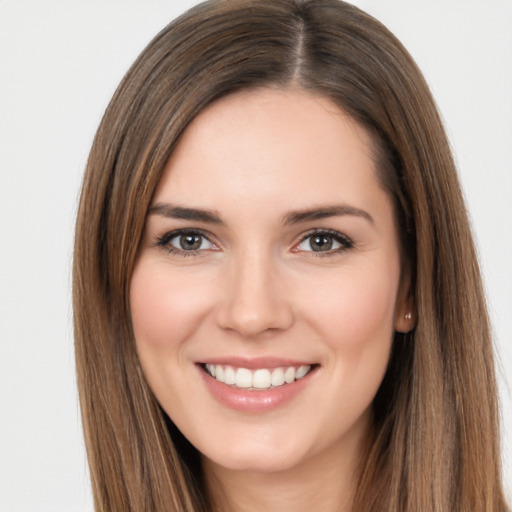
{"x": 408, "y": 316}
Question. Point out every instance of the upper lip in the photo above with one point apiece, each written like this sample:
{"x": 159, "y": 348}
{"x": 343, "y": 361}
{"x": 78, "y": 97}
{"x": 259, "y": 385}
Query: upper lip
{"x": 256, "y": 362}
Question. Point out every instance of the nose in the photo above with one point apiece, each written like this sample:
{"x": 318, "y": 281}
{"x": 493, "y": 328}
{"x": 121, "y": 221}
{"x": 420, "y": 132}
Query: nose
{"x": 255, "y": 300}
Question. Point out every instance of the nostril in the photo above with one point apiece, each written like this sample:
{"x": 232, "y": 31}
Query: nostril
{"x": 252, "y": 318}
{"x": 253, "y": 300}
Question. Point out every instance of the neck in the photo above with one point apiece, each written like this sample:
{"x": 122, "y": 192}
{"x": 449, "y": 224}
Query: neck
{"x": 326, "y": 481}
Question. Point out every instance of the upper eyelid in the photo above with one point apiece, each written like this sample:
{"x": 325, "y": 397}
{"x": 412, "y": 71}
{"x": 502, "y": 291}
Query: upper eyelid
{"x": 331, "y": 232}
{"x": 169, "y": 235}
{"x": 345, "y": 241}
{"x": 180, "y": 231}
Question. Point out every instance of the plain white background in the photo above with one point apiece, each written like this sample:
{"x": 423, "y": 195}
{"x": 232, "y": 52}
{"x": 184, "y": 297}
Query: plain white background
{"x": 60, "y": 62}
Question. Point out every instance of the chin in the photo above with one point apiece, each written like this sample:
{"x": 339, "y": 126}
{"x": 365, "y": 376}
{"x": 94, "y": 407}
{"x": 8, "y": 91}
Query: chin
{"x": 256, "y": 463}
{"x": 257, "y": 457}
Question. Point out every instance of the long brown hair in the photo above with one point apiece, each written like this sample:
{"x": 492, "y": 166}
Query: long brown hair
{"x": 436, "y": 446}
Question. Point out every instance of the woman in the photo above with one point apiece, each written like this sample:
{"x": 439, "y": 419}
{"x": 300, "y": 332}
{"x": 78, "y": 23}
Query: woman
{"x": 277, "y": 299}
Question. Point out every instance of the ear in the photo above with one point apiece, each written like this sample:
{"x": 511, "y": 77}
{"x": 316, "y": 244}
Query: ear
{"x": 405, "y": 309}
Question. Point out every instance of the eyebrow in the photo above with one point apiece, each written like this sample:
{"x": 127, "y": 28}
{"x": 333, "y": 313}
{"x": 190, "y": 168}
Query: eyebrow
{"x": 179, "y": 212}
{"x": 294, "y": 217}
{"x": 324, "y": 212}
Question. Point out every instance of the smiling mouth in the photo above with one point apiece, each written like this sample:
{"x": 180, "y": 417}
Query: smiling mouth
{"x": 257, "y": 380}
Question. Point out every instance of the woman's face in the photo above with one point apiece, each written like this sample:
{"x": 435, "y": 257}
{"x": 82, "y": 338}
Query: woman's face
{"x": 270, "y": 259}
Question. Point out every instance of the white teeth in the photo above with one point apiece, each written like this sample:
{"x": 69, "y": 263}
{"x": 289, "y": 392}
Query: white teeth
{"x": 243, "y": 378}
{"x": 289, "y": 375}
{"x": 302, "y": 371}
{"x": 229, "y": 376}
{"x": 262, "y": 378}
{"x": 278, "y": 377}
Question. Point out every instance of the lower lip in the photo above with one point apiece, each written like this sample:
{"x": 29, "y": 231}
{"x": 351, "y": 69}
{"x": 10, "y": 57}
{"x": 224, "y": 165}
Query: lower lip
{"x": 254, "y": 401}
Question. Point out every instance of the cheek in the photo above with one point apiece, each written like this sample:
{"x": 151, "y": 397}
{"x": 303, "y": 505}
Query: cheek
{"x": 356, "y": 310}
{"x": 356, "y": 322}
{"x": 165, "y": 308}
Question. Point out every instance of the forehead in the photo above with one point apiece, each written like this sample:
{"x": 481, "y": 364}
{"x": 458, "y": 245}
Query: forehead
{"x": 266, "y": 146}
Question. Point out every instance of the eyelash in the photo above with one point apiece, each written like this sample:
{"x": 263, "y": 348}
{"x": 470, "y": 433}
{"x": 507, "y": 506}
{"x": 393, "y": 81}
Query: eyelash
{"x": 164, "y": 242}
{"x": 345, "y": 242}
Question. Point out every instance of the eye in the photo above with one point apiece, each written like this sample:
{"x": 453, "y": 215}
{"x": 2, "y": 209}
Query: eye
{"x": 324, "y": 241}
{"x": 189, "y": 242}
{"x": 185, "y": 241}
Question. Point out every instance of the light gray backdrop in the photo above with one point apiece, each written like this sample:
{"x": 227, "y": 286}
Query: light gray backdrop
{"x": 60, "y": 62}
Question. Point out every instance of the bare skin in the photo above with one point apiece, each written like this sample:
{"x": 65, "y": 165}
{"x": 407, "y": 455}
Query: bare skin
{"x": 271, "y": 243}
